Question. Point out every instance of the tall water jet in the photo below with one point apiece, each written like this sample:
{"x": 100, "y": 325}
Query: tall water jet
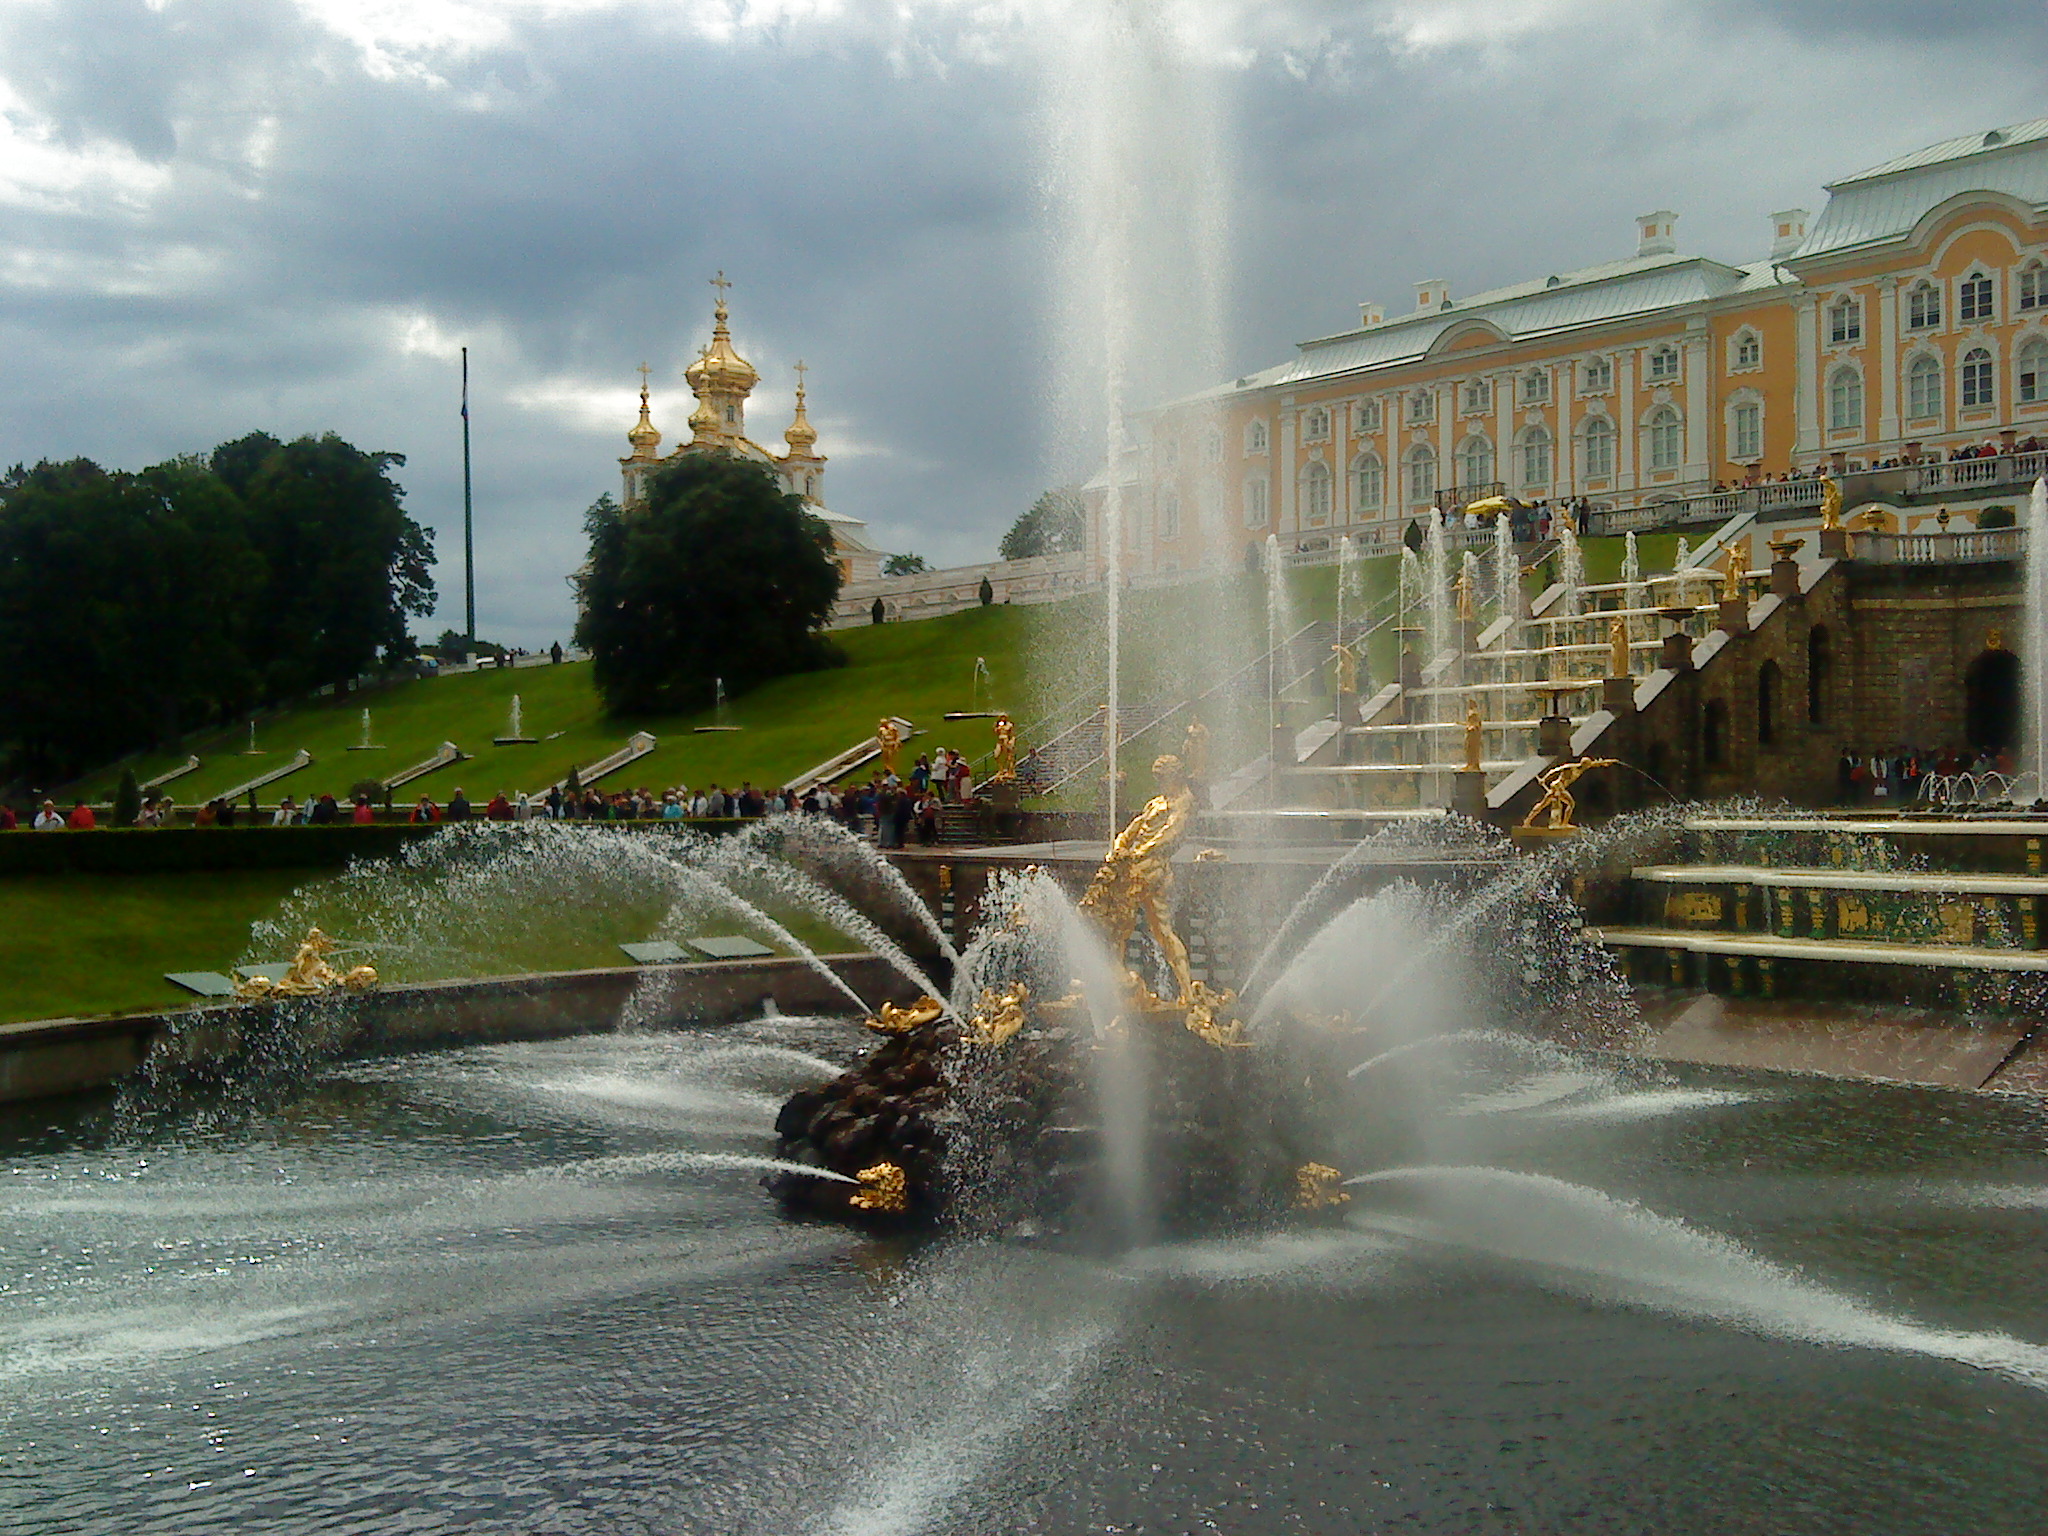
{"x": 365, "y": 744}
{"x": 515, "y": 731}
{"x": 1571, "y": 569}
{"x": 2034, "y": 649}
{"x": 1507, "y": 583}
{"x": 1436, "y": 576}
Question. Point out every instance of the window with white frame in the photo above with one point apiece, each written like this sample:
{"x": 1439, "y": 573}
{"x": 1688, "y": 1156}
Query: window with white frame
{"x": 1365, "y": 416}
{"x": 1212, "y": 447}
{"x": 1923, "y": 306}
{"x": 1478, "y": 396}
{"x": 1973, "y": 298}
{"x": 1596, "y": 375}
{"x": 1845, "y": 400}
{"x": 1535, "y": 445}
{"x": 1255, "y": 437}
{"x": 1475, "y": 462}
{"x": 1663, "y": 363}
{"x": 1535, "y": 386}
{"x": 1169, "y": 515}
{"x": 1666, "y": 439}
{"x": 1845, "y": 321}
{"x": 1315, "y": 426}
{"x": 1599, "y": 441}
{"x": 1977, "y": 391}
{"x": 1256, "y": 495}
{"x": 1748, "y": 351}
{"x": 1368, "y": 483}
{"x": 1923, "y": 388}
{"x": 2031, "y": 364}
{"x": 1315, "y": 493}
{"x": 1421, "y": 470}
{"x": 1746, "y": 431}
{"x": 2034, "y": 286}
{"x": 1422, "y": 406}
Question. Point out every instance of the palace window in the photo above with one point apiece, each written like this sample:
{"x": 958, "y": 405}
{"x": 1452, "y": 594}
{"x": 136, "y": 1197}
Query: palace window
{"x": 1536, "y": 457}
{"x": 2034, "y": 286}
{"x": 1596, "y": 376}
{"x": 1421, "y": 467}
{"x": 1923, "y": 388}
{"x": 1169, "y": 516}
{"x": 1422, "y": 406}
{"x": 1977, "y": 389}
{"x": 1368, "y": 483}
{"x": 1845, "y": 400}
{"x": 1535, "y": 387}
{"x": 1663, "y": 363}
{"x": 1746, "y": 432}
{"x": 1315, "y": 426}
{"x": 1667, "y": 438}
{"x": 1749, "y": 349}
{"x": 1845, "y": 321}
{"x": 1599, "y": 449}
{"x": 1475, "y": 462}
{"x": 1256, "y": 493}
{"x": 1923, "y": 307}
{"x": 1212, "y": 447}
{"x": 1315, "y": 493}
{"x": 1255, "y": 437}
{"x": 2033, "y": 371}
{"x": 1973, "y": 298}
{"x": 1478, "y": 396}
{"x": 1365, "y": 417}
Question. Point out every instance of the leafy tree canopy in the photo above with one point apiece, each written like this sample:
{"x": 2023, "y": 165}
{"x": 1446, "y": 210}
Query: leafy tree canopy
{"x": 904, "y": 565}
{"x": 719, "y": 575}
{"x": 1054, "y": 525}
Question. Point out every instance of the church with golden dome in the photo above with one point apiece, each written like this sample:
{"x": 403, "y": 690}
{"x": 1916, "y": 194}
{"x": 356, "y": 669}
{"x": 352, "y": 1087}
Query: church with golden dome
{"x": 721, "y": 380}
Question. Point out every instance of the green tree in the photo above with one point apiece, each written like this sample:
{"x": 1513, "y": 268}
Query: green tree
{"x": 720, "y": 574}
{"x": 127, "y": 799}
{"x": 1054, "y": 525}
{"x": 904, "y": 565}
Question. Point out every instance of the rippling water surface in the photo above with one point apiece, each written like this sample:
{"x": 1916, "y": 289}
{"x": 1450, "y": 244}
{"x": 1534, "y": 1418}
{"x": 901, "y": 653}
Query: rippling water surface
{"x": 536, "y": 1288}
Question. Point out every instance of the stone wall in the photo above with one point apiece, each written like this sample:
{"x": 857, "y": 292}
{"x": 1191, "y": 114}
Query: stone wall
{"x": 1042, "y": 579}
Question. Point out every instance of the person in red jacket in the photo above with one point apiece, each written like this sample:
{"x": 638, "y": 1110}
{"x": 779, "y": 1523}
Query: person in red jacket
{"x": 364, "y": 813}
{"x": 500, "y": 809}
{"x": 81, "y": 818}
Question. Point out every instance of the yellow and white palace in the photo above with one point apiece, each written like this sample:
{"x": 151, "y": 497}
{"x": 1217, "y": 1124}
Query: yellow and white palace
{"x": 1909, "y": 319}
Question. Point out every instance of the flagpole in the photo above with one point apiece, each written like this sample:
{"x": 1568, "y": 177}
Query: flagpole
{"x": 468, "y": 528}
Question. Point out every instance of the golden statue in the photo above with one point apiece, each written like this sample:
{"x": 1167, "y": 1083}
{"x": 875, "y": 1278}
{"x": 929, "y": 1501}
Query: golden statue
{"x": 1830, "y": 504}
{"x": 309, "y": 976}
{"x": 1561, "y": 519}
{"x": 1347, "y": 667}
{"x": 1557, "y": 798}
{"x": 1006, "y": 751}
{"x": 1316, "y": 1187}
{"x": 1133, "y": 883}
{"x": 1194, "y": 751}
{"x": 1738, "y": 572}
{"x": 999, "y": 1015}
{"x": 882, "y": 1188}
{"x": 1475, "y": 736}
{"x": 891, "y": 1020}
{"x": 890, "y": 740}
{"x": 1617, "y": 647}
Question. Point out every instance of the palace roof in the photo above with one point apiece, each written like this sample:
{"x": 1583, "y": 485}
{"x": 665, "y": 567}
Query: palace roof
{"x": 1888, "y": 201}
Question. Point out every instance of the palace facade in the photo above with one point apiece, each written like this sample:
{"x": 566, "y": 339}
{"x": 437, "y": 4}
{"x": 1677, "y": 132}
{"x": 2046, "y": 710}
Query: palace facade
{"x": 722, "y": 380}
{"x": 1910, "y": 319}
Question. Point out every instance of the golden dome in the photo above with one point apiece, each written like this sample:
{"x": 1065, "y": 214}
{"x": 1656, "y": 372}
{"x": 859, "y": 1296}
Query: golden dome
{"x": 719, "y": 369}
{"x": 644, "y": 436}
{"x": 801, "y": 436}
{"x": 704, "y": 423}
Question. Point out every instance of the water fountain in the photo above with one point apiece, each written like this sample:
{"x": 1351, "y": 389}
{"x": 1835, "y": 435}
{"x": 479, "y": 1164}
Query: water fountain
{"x": 2034, "y": 638}
{"x": 364, "y": 743}
{"x": 515, "y": 728}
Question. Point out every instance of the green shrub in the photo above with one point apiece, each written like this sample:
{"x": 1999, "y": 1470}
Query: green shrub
{"x": 127, "y": 800}
{"x": 1996, "y": 517}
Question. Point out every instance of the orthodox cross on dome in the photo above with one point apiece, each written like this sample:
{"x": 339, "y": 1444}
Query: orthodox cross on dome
{"x": 801, "y": 370}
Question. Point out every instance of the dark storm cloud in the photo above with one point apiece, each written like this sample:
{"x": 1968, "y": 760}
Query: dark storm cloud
{"x": 221, "y": 214}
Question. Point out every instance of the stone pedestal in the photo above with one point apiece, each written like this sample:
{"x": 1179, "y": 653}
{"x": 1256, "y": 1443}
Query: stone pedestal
{"x": 1534, "y": 839}
{"x": 1554, "y": 736}
{"x": 1834, "y": 543}
{"x": 1618, "y": 695}
{"x": 1347, "y": 707}
{"x": 1785, "y": 580}
{"x": 1676, "y": 656}
{"x": 1411, "y": 681}
{"x": 1734, "y": 618}
{"x": 1282, "y": 746}
{"x": 1468, "y": 793}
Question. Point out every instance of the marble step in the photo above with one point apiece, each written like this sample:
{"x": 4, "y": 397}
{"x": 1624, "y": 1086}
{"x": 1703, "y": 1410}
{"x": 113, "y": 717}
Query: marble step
{"x": 1954, "y": 957}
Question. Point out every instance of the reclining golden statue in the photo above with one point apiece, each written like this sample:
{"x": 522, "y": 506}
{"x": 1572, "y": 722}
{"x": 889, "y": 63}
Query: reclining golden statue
{"x": 309, "y": 976}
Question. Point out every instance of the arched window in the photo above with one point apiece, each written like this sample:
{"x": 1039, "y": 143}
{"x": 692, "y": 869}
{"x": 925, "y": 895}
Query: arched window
{"x": 1923, "y": 388}
{"x": 1923, "y": 306}
{"x": 1256, "y": 495}
{"x": 1977, "y": 388}
{"x": 1316, "y": 425}
{"x": 1663, "y": 363}
{"x": 2032, "y": 367}
{"x": 1845, "y": 321}
{"x": 1599, "y": 448}
{"x": 1818, "y": 665}
{"x": 1368, "y": 483}
{"x": 1475, "y": 462}
{"x": 1535, "y": 386}
{"x": 1768, "y": 688}
{"x": 1169, "y": 515}
{"x": 1749, "y": 349}
{"x": 2034, "y": 286}
{"x": 1478, "y": 396}
{"x": 1973, "y": 298}
{"x": 1421, "y": 468}
{"x": 1535, "y": 456}
{"x": 1666, "y": 438}
{"x": 1845, "y": 400}
{"x": 1746, "y": 430}
{"x": 1315, "y": 493}
{"x": 1714, "y": 733}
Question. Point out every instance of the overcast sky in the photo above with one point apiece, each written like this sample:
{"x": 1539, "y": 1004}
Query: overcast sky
{"x": 221, "y": 215}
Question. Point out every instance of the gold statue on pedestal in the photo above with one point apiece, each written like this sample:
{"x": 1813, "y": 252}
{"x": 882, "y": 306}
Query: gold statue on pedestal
{"x": 1006, "y": 751}
{"x": 1617, "y": 647}
{"x": 1557, "y": 801}
{"x": 309, "y": 976}
{"x": 890, "y": 740}
{"x": 1133, "y": 883}
{"x": 1475, "y": 736}
{"x": 1737, "y": 573}
{"x": 1347, "y": 667}
{"x": 1830, "y": 504}
{"x": 1468, "y": 609}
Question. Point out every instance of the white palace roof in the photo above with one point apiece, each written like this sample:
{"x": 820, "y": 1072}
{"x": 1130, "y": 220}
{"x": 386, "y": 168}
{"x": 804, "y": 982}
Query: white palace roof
{"x": 1888, "y": 201}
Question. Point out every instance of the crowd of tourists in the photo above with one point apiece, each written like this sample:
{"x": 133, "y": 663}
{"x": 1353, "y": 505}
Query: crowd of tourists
{"x": 1895, "y": 777}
